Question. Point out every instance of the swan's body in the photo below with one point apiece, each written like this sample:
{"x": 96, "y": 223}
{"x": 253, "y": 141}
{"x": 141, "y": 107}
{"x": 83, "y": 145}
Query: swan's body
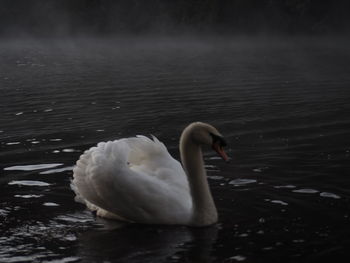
{"x": 137, "y": 180}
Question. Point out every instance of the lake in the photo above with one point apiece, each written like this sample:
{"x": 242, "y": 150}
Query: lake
{"x": 283, "y": 106}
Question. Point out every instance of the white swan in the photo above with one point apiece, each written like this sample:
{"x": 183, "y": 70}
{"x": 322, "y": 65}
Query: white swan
{"x": 137, "y": 180}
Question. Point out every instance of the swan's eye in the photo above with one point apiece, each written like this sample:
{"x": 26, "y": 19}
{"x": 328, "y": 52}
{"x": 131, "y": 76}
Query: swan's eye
{"x": 218, "y": 140}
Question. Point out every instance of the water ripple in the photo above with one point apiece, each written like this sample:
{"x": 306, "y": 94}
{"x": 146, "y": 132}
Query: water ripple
{"x": 32, "y": 167}
{"x": 240, "y": 182}
{"x": 306, "y": 191}
{"x": 28, "y": 196}
{"x": 29, "y": 183}
{"x": 329, "y": 195}
{"x": 63, "y": 169}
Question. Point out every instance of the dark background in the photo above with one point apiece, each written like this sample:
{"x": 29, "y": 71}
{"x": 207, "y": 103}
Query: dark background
{"x": 113, "y": 17}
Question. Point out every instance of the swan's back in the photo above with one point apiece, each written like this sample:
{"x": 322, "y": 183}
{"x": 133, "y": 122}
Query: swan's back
{"x": 134, "y": 179}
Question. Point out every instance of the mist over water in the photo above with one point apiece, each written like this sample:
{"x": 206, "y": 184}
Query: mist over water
{"x": 282, "y": 104}
{"x": 60, "y": 18}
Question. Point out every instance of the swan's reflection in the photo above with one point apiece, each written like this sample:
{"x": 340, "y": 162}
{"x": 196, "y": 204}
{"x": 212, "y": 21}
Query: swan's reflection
{"x": 143, "y": 243}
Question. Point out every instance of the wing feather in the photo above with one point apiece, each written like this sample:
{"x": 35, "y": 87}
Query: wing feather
{"x": 135, "y": 179}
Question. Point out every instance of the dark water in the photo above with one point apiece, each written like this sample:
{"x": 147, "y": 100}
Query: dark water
{"x": 283, "y": 105}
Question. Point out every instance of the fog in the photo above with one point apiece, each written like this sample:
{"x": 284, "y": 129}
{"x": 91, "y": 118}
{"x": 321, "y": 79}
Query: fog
{"x": 37, "y": 18}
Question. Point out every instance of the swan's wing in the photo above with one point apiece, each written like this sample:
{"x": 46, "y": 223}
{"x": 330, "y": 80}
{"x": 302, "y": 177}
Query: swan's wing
{"x": 135, "y": 179}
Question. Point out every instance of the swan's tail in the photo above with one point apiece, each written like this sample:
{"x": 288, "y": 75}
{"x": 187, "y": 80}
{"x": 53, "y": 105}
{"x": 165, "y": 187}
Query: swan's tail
{"x": 90, "y": 175}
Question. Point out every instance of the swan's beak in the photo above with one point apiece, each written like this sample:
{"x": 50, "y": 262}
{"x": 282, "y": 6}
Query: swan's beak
{"x": 220, "y": 150}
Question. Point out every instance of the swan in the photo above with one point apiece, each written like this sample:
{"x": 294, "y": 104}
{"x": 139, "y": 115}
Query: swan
{"x": 137, "y": 180}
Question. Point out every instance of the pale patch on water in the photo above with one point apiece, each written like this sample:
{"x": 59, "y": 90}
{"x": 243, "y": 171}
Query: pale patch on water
{"x": 55, "y": 140}
{"x": 32, "y": 167}
{"x": 29, "y": 183}
{"x": 75, "y": 218}
{"x": 64, "y": 260}
{"x": 298, "y": 240}
{"x": 69, "y": 150}
{"x": 267, "y": 248}
{"x": 50, "y": 204}
{"x": 211, "y": 168}
{"x": 214, "y": 158}
{"x": 3, "y": 212}
{"x": 238, "y": 258}
{"x": 63, "y": 169}
{"x": 239, "y": 182}
{"x": 17, "y": 244}
{"x": 13, "y": 143}
{"x": 289, "y": 186}
{"x": 306, "y": 191}
{"x": 330, "y": 195}
{"x": 260, "y": 169}
{"x": 70, "y": 237}
{"x": 28, "y": 196}
{"x": 20, "y": 259}
{"x": 278, "y": 202}
{"x": 216, "y": 177}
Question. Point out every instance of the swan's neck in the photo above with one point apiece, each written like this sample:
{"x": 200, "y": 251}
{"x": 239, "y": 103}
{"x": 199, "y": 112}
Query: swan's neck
{"x": 204, "y": 210}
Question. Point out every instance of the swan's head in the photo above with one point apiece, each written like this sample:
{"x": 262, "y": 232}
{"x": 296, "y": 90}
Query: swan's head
{"x": 205, "y": 134}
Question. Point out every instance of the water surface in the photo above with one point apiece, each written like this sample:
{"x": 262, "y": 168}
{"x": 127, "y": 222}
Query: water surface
{"x": 283, "y": 106}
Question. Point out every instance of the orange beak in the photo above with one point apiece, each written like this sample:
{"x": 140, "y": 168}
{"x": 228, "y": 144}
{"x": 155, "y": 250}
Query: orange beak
{"x": 220, "y": 150}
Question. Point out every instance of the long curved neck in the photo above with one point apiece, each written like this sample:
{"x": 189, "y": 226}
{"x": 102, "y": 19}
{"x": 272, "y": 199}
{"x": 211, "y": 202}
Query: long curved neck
{"x": 204, "y": 210}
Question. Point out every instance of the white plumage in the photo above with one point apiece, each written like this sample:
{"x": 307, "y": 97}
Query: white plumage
{"x": 137, "y": 180}
{"x": 130, "y": 179}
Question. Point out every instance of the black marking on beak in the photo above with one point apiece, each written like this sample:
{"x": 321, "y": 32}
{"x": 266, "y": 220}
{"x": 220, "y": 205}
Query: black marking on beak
{"x": 218, "y": 145}
{"x": 218, "y": 140}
